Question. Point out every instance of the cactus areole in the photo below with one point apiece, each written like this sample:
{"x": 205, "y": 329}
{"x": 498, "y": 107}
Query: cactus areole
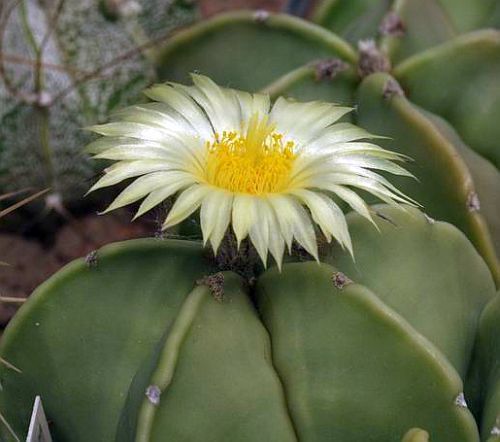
{"x": 392, "y": 335}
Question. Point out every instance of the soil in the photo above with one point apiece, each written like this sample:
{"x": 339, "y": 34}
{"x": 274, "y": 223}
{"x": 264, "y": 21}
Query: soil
{"x": 28, "y": 262}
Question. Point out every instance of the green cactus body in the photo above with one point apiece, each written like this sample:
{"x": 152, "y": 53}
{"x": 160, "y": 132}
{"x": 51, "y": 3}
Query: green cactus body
{"x": 427, "y": 62}
{"x": 132, "y": 348}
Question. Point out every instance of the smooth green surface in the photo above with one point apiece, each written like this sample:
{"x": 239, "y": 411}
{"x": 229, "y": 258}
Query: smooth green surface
{"x": 303, "y": 84}
{"x": 489, "y": 359}
{"x": 238, "y": 50}
{"x": 352, "y": 19}
{"x": 427, "y": 272}
{"x": 468, "y": 15}
{"x": 459, "y": 81}
{"x": 444, "y": 184}
{"x": 352, "y": 367}
{"x": 82, "y": 336}
{"x": 486, "y": 179}
{"x": 224, "y": 386}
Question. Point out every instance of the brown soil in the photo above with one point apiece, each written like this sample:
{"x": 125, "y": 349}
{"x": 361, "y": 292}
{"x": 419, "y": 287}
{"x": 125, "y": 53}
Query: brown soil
{"x": 28, "y": 264}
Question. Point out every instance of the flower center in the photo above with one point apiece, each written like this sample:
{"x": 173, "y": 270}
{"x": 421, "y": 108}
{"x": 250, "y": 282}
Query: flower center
{"x": 257, "y": 161}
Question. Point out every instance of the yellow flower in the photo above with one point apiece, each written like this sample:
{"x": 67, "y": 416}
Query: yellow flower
{"x": 268, "y": 171}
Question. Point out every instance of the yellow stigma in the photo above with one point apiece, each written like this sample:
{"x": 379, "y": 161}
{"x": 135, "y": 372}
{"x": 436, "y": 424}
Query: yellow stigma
{"x": 255, "y": 162}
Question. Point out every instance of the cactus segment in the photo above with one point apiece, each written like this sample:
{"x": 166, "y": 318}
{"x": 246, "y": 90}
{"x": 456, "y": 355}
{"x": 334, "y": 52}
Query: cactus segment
{"x": 352, "y": 19}
{"x": 486, "y": 179}
{"x": 427, "y": 272}
{"x": 424, "y": 24}
{"x": 82, "y": 336}
{"x": 248, "y": 50}
{"x": 459, "y": 81}
{"x": 467, "y": 15}
{"x": 444, "y": 185}
{"x": 223, "y": 365}
{"x": 313, "y": 82}
{"x": 489, "y": 365}
{"x": 350, "y": 365}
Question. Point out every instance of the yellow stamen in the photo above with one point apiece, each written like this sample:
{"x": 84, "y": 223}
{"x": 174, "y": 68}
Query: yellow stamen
{"x": 256, "y": 162}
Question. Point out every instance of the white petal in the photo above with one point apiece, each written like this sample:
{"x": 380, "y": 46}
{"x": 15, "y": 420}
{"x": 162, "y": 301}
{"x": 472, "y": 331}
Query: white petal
{"x": 187, "y": 202}
{"x": 133, "y": 130}
{"x": 243, "y": 216}
{"x": 351, "y": 198}
{"x": 141, "y": 187}
{"x": 327, "y": 215}
{"x": 251, "y": 104}
{"x": 293, "y": 218}
{"x": 177, "y": 99}
{"x": 156, "y": 197}
{"x": 304, "y": 122}
{"x": 129, "y": 169}
{"x": 220, "y": 104}
{"x": 215, "y": 215}
{"x": 259, "y": 230}
{"x": 276, "y": 240}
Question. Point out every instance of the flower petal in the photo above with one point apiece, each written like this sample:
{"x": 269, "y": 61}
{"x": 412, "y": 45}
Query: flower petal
{"x": 130, "y": 169}
{"x": 141, "y": 187}
{"x": 304, "y": 122}
{"x": 215, "y": 215}
{"x": 156, "y": 197}
{"x": 243, "y": 216}
{"x": 259, "y": 230}
{"x": 327, "y": 215}
{"x": 174, "y": 96}
{"x": 187, "y": 202}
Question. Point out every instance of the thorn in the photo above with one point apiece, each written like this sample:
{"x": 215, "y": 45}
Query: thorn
{"x": 261, "y": 15}
{"x": 392, "y": 25}
{"x": 12, "y": 300}
{"x": 329, "y": 68}
{"x": 473, "y": 203}
{"x": 460, "y": 401}
{"x": 371, "y": 59}
{"x": 153, "y": 394}
{"x": 340, "y": 280}
{"x": 429, "y": 219}
{"x": 9, "y": 365}
{"x": 215, "y": 283}
{"x": 91, "y": 259}
{"x": 392, "y": 89}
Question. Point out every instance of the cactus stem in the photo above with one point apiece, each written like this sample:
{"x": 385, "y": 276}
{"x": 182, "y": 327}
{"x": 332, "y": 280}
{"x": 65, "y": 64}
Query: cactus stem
{"x": 473, "y": 204}
{"x": 164, "y": 373}
{"x": 215, "y": 283}
{"x": 340, "y": 280}
{"x": 392, "y": 89}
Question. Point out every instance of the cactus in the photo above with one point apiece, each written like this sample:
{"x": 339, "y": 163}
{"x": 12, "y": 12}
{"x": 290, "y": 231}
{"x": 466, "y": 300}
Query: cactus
{"x": 428, "y": 82}
{"x": 92, "y": 60}
{"x": 156, "y": 346}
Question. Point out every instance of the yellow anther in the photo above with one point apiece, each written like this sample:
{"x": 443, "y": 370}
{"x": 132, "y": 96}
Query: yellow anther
{"x": 255, "y": 161}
